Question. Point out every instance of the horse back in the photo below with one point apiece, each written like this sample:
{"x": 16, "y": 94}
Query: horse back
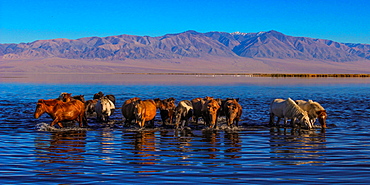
{"x": 150, "y": 109}
{"x": 73, "y": 105}
{"x": 277, "y": 107}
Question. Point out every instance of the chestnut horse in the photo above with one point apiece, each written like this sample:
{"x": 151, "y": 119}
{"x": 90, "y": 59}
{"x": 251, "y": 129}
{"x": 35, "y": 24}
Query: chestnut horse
{"x": 233, "y": 111}
{"x": 128, "y": 109}
{"x": 61, "y": 111}
{"x": 197, "y": 104}
{"x": 210, "y": 111}
{"x": 145, "y": 111}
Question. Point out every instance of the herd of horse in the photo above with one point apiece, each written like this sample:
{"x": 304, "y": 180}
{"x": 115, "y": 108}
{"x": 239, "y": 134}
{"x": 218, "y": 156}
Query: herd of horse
{"x": 134, "y": 110}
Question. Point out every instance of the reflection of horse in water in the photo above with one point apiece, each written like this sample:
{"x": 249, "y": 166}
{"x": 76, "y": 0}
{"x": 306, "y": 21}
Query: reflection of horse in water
{"x": 144, "y": 144}
{"x": 210, "y": 138}
{"x": 292, "y": 148}
{"x": 232, "y": 140}
{"x": 63, "y": 146}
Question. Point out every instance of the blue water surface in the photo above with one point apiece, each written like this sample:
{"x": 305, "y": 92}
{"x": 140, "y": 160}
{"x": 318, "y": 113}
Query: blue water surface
{"x": 110, "y": 153}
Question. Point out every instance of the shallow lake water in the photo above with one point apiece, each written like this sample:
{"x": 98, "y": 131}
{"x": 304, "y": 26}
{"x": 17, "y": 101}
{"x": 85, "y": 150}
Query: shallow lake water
{"x": 253, "y": 153}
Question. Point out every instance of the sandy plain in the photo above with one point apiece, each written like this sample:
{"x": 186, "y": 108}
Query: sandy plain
{"x": 184, "y": 71}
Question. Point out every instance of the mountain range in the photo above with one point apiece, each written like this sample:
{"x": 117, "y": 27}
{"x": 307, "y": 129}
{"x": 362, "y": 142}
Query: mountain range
{"x": 226, "y": 48}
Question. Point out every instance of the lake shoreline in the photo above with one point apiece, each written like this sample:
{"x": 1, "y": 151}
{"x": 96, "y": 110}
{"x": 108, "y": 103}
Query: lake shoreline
{"x": 183, "y": 78}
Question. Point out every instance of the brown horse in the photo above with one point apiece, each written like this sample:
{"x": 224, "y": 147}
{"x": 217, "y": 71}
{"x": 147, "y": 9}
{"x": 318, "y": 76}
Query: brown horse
{"x": 233, "y": 111}
{"x": 166, "y": 109}
{"x": 61, "y": 111}
{"x": 90, "y": 107}
{"x": 128, "y": 109}
{"x": 210, "y": 111}
{"x": 197, "y": 104}
{"x": 145, "y": 111}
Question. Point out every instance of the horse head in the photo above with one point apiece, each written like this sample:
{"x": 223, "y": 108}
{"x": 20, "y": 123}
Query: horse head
{"x": 40, "y": 109}
{"x": 98, "y": 95}
{"x": 159, "y": 103}
{"x": 43, "y": 106}
{"x": 211, "y": 111}
{"x": 66, "y": 97}
{"x": 170, "y": 104}
{"x": 322, "y": 118}
{"x": 79, "y": 97}
{"x": 138, "y": 110}
{"x": 107, "y": 105}
{"x": 305, "y": 120}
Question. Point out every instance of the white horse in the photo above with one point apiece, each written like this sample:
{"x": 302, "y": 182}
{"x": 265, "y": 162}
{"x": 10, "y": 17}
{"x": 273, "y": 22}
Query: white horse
{"x": 314, "y": 110}
{"x": 104, "y": 108}
{"x": 288, "y": 109}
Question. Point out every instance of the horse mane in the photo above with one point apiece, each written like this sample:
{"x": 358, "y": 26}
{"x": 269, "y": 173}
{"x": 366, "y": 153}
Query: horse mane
{"x": 50, "y": 102}
{"x": 316, "y": 105}
{"x": 293, "y": 109}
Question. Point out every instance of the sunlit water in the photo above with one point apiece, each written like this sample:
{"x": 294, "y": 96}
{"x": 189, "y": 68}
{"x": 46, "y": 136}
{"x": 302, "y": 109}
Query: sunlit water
{"x": 109, "y": 153}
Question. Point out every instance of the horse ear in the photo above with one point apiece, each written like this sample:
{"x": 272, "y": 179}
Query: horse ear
{"x": 237, "y": 99}
{"x": 40, "y": 101}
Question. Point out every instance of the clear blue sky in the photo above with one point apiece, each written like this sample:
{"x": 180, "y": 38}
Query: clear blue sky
{"x": 30, "y": 20}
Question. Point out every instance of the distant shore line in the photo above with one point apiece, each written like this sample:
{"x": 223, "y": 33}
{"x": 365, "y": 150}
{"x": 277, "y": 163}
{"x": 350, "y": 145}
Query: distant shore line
{"x": 283, "y": 75}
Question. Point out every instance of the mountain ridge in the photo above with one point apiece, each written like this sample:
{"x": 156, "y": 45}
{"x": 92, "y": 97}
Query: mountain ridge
{"x": 190, "y": 44}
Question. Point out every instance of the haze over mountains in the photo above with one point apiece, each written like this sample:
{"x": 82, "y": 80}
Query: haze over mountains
{"x": 189, "y": 51}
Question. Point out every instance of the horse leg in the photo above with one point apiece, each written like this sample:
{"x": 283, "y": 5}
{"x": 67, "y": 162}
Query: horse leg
{"x": 82, "y": 120}
{"x": 271, "y": 122}
{"x": 196, "y": 121}
{"x": 127, "y": 122}
{"x": 171, "y": 117}
{"x": 142, "y": 123}
{"x": 277, "y": 121}
{"x": 56, "y": 120}
{"x": 228, "y": 121}
{"x": 285, "y": 121}
{"x": 163, "y": 117}
{"x": 185, "y": 123}
{"x": 152, "y": 123}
